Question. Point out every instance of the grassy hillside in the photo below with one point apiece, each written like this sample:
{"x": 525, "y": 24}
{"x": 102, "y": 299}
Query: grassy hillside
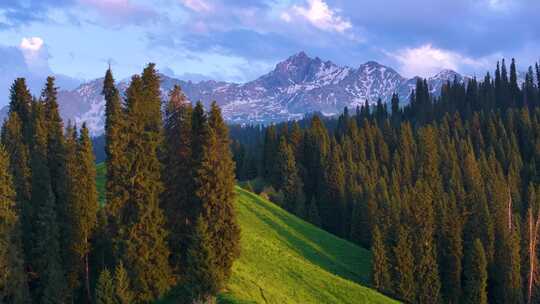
{"x": 286, "y": 260}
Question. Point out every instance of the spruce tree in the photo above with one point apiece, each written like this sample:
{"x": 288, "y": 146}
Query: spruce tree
{"x": 177, "y": 175}
{"x": 56, "y": 156}
{"x": 141, "y": 243}
{"x": 13, "y": 285}
{"x": 122, "y": 290}
{"x": 204, "y": 279}
{"x": 290, "y": 182}
{"x": 423, "y": 221}
{"x": 215, "y": 192}
{"x": 46, "y": 255}
{"x": 19, "y": 167}
{"x": 115, "y": 141}
{"x": 20, "y": 103}
{"x": 269, "y": 156}
{"x": 381, "y": 268}
{"x": 82, "y": 208}
{"x": 404, "y": 281}
{"x": 475, "y": 290}
{"x": 105, "y": 288}
{"x": 333, "y": 201}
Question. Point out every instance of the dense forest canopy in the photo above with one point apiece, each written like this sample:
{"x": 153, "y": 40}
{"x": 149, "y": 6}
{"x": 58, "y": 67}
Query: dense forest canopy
{"x": 445, "y": 191}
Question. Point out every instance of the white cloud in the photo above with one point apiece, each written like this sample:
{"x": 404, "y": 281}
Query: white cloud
{"x": 427, "y": 60}
{"x": 32, "y": 44}
{"x": 35, "y": 54}
{"x": 200, "y": 6}
{"x": 319, "y": 14}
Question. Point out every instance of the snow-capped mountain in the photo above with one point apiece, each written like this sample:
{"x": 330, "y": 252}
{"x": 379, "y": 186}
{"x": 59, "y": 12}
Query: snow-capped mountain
{"x": 296, "y": 86}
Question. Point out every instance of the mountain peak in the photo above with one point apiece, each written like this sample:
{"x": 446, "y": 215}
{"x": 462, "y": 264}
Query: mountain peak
{"x": 299, "y": 55}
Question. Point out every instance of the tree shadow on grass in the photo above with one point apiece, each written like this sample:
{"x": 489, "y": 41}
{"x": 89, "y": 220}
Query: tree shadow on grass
{"x": 318, "y": 247}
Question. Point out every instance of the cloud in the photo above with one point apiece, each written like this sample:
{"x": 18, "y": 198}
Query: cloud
{"x": 32, "y": 44}
{"x": 15, "y": 13}
{"x": 36, "y": 55}
{"x": 318, "y": 14}
{"x": 119, "y": 12}
{"x": 15, "y": 63}
{"x": 427, "y": 60}
{"x": 199, "y": 6}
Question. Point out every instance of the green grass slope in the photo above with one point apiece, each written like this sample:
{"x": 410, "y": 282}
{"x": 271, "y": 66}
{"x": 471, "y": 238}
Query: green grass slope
{"x": 287, "y": 260}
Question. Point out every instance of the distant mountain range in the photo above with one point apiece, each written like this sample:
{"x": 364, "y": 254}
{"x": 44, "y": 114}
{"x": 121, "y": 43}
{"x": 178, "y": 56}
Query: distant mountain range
{"x": 297, "y": 86}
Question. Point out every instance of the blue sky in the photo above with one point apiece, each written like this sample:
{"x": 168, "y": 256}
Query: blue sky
{"x": 238, "y": 40}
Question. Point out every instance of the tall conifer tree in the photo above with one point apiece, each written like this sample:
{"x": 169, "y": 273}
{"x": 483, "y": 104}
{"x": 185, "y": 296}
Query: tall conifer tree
{"x": 141, "y": 243}
{"x": 13, "y": 282}
{"x": 177, "y": 177}
{"x": 82, "y": 209}
{"x": 46, "y": 255}
{"x": 475, "y": 290}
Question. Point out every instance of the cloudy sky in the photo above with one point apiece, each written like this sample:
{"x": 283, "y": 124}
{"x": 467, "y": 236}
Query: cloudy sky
{"x": 238, "y": 40}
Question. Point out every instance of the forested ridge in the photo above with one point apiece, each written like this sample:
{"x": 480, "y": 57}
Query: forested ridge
{"x": 445, "y": 191}
{"x": 168, "y": 227}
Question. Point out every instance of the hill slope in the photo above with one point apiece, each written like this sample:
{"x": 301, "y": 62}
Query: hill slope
{"x": 287, "y": 260}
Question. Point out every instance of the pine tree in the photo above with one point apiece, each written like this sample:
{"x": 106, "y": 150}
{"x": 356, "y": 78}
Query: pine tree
{"x": 105, "y": 288}
{"x": 82, "y": 208}
{"x": 381, "y": 268}
{"x": 333, "y": 207}
{"x": 122, "y": 290}
{"x": 115, "y": 141}
{"x": 269, "y": 156}
{"x": 20, "y": 103}
{"x": 141, "y": 243}
{"x": 56, "y": 156}
{"x": 215, "y": 193}
{"x": 46, "y": 255}
{"x": 13, "y": 286}
{"x": 475, "y": 290}
{"x": 19, "y": 167}
{"x": 290, "y": 182}
{"x": 203, "y": 278}
{"x": 177, "y": 177}
{"x": 404, "y": 282}
{"x": 423, "y": 221}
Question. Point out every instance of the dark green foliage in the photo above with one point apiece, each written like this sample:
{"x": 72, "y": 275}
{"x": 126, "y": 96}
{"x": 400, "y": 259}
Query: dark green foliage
{"x": 115, "y": 141}
{"x": 105, "y": 288}
{"x": 19, "y": 167}
{"x": 333, "y": 200}
{"x": 141, "y": 239}
{"x": 82, "y": 208}
{"x": 381, "y": 268}
{"x": 20, "y": 103}
{"x": 122, "y": 290}
{"x": 177, "y": 178}
{"x": 313, "y": 214}
{"x": 475, "y": 289}
{"x": 424, "y": 250}
{"x": 45, "y": 251}
{"x": 214, "y": 191}
{"x": 289, "y": 178}
{"x": 204, "y": 279}
{"x": 404, "y": 284}
{"x": 13, "y": 285}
